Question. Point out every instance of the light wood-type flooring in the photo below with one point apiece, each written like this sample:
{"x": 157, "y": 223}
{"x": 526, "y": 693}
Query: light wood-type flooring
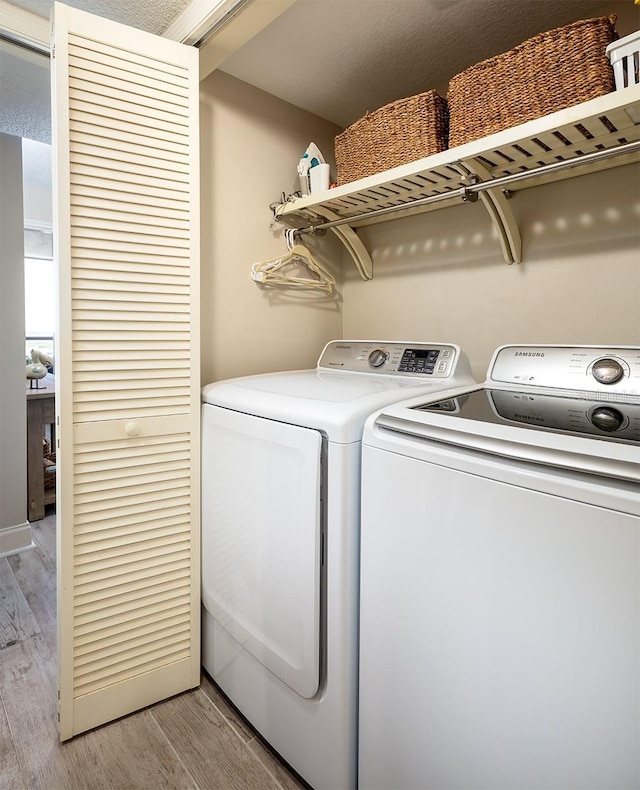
{"x": 194, "y": 741}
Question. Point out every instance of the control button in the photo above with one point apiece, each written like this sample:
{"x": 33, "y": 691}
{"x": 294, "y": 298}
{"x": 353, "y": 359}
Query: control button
{"x": 445, "y": 353}
{"x": 377, "y": 358}
{"x": 607, "y": 371}
{"x": 442, "y": 367}
{"x": 607, "y": 419}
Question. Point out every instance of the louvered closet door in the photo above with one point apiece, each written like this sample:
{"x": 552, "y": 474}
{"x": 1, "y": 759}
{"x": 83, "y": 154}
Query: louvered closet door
{"x": 125, "y": 136}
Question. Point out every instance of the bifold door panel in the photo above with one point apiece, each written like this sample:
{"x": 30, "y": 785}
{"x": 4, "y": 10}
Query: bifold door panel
{"x": 126, "y": 197}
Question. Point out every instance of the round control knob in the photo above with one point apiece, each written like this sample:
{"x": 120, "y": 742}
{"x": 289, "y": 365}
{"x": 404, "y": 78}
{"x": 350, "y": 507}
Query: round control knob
{"x": 377, "y": 358}
{"x": 607, "y": 371}
{"x": 607, "y": 419}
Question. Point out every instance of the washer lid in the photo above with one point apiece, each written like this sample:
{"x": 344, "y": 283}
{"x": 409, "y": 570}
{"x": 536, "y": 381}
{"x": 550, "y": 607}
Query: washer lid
{"x": 353, "y": 379}
{"x": 508, "y": 424}
{"x": 329, "y": 401}
{"x": 616, "y": 422}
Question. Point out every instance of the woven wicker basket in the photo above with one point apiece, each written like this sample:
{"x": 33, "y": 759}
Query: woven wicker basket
{"x": 551, "y": 71}
{"x": 400, "y": 132}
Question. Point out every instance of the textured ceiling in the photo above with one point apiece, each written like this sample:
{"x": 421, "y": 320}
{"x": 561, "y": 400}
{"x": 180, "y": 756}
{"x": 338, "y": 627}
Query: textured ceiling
{"x": 155, "y": 16}
{"x": 342, "y": 58}
{"x": 25, "y": 94}
{"x": 335, "y": 58}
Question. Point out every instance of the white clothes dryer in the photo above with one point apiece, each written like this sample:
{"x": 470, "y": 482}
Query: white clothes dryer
{"x": 280, "y": 540}
{"x": 500, "y": 579}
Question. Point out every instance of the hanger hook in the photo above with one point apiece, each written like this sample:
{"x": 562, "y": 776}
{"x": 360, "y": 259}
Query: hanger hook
{"x": 290, "y": 237}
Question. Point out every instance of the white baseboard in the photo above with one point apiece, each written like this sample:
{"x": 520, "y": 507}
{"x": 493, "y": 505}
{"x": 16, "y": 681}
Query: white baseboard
{"x": 15, "y": 539}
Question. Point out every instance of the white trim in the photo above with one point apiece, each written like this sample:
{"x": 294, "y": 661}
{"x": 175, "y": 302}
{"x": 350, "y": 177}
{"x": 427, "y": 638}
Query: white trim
{"x": 24, "y": 27}
{"x": 196, "y": 22}
{"x": 206, "y": 21}
{"x": 36, "y": 224}
{"x": 15, "y": 539}
{"x": 215, "y": 49}
{"x": 200, "y": 17}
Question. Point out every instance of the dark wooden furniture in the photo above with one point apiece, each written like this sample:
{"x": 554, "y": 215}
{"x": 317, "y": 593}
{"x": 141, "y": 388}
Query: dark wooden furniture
{"x": 40, "y": 413}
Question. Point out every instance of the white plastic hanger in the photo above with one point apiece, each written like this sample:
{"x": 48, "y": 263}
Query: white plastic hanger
{"x": 271, "y": 272}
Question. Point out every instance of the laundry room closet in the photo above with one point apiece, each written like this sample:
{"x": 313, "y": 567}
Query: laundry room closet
{"x": 439, "y": 274}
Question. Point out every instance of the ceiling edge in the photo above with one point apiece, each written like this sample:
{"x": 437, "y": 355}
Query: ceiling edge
{"x": 200, "y": 17}
{"x": 241, "y": 29}
{"x": 23, "y": 27}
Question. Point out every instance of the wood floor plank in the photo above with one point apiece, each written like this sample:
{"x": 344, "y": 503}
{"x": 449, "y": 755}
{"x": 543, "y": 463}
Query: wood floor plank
{"x": 10, "y": 774}
{"x": 272, "y": 763}
{"x": 43, "y": 533}
{"x": 275, "y": 766}
{"x": 235, "y": 719}
{"x": 27, "y": 686}
{"x": 129, "y": 753}
{"x": 17, "y": 623}
{"x": 216, "y": 756}
{"x": 36, "y": 575}
{"x": 196, "y": 741}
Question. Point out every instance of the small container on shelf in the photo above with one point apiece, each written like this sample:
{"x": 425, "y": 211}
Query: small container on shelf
{"x": 624, "y": 56}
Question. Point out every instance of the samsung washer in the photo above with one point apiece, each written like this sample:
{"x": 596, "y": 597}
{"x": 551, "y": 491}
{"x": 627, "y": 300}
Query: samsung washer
{"x": 280, "y": 540}
{"x": 500, "y": 597}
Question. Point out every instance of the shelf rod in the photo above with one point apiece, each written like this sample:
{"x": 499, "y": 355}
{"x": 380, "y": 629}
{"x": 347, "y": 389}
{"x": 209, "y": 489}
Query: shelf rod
{"x": 482, "y": 186}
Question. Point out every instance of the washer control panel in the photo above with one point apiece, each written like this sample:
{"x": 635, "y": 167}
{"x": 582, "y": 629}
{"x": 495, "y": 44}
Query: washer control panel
{"x": 612, "y": 372}
{"x": 434, "y": 360}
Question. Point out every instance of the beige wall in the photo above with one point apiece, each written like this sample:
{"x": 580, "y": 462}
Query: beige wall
{"x": 441, "y": 276}
{"x": 438, "y": 276}
{"x": 250, "y": 146}
{"x": 14, "y": 531}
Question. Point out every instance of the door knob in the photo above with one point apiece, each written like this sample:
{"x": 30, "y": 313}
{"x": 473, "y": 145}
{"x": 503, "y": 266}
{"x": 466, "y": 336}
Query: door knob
{"x": 132, "y": 429}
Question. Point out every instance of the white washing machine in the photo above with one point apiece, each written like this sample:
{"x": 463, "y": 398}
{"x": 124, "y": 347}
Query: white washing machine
{"x": 500, "y": 579}
{"x": 280, "y": 540}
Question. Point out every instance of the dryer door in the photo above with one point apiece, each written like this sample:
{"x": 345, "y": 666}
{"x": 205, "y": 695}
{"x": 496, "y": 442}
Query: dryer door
{"x": 261, "y": 540}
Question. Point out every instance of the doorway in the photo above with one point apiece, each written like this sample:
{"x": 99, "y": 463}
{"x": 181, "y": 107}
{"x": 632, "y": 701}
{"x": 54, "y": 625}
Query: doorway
{"x": 25, "y": 122}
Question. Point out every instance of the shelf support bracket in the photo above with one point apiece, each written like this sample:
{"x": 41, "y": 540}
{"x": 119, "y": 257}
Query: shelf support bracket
{"x": 495, "y": 202}
{"x": 352, "y": 243}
